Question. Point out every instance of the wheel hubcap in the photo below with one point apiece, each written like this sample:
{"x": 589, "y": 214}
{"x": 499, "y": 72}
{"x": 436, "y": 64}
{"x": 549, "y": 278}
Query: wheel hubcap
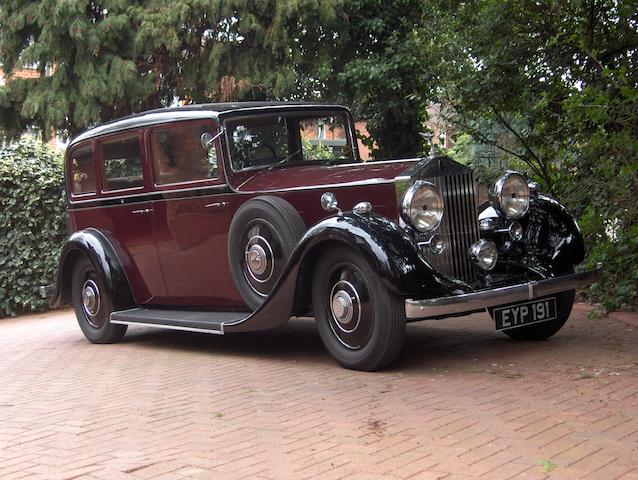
{"x": 342, "y": 307}
{"x": 261, "y": 255}
{"x": 257, "y": 260}
{"x": 345, "y": 310}
{"x": 91, "y": 300}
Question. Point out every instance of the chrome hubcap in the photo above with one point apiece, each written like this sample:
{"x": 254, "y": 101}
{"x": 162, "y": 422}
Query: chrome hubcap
{"x": 91, "y": 299}
{"x": 345, "y": 306}
{"x": 259, "y": 264}
{"x": 342, "y": 307}
{"x": 257, "y": 261}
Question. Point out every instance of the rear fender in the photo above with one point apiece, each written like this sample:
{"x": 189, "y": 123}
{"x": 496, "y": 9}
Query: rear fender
{"x": 94, "y": 245}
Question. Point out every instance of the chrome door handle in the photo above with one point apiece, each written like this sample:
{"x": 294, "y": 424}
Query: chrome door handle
{"x": 145, "y": 210}
{"x": 216, "y": 204}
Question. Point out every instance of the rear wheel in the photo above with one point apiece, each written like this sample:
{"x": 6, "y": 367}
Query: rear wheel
{"x": 360, "y": 321}
{"x": 92, "y": 304}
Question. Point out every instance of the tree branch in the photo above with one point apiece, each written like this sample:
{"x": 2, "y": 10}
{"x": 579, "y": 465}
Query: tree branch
{"x": 543, "y": 173}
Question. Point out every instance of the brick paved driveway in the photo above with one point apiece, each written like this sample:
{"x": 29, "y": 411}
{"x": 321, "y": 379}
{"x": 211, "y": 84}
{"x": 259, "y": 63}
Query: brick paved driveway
{"x": 462, "y": 402}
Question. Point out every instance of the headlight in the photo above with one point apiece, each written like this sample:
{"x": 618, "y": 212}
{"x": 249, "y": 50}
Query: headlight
{"x": 510, "y": 195}
{"x": 422, "y": 206}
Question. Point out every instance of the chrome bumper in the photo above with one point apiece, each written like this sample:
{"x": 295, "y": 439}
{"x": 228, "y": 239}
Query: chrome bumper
{"x": 468, "y": 302}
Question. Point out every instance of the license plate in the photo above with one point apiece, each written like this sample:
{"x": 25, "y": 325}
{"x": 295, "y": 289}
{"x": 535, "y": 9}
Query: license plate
{"x": 527, "y": 313}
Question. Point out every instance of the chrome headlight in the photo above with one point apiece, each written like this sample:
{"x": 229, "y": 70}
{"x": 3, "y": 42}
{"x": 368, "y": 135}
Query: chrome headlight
{"x": 510, "y": 195}
{"x": 422, "y": 206}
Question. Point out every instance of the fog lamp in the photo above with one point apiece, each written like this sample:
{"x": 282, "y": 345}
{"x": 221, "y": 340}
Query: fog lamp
{"x": 436, "y": 245}
{"x": 484, "y": 254}
{"x": 516, "y": 232}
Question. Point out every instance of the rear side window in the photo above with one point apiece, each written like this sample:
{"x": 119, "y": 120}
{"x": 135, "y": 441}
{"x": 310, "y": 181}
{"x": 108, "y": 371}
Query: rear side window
{"x": 178, "y": 154}
{"x": 122, "y": 164}
{"x": 83, "y": 178}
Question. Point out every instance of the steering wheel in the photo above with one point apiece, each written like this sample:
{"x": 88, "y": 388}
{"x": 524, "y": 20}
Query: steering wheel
{"x": 268, "y": 147}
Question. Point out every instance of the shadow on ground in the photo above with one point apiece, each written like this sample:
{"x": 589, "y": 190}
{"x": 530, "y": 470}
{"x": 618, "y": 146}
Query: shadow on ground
{"x": 455, "y": 344}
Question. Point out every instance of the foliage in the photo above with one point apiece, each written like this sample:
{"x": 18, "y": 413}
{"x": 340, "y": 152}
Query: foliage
{"x": 554, "y": 85}
{"x": 382, "y": 70}
{"x": 32, "y": 225}
{"x": 317, "y": 151}
{"x": 112, "y": 58}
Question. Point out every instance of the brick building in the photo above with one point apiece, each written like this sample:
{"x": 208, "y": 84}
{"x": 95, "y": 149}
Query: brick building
{"x": 54, "y": 141}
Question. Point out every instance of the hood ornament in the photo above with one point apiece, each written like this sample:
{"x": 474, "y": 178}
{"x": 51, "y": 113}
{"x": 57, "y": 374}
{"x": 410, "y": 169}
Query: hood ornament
{"x": 429, "y": 138}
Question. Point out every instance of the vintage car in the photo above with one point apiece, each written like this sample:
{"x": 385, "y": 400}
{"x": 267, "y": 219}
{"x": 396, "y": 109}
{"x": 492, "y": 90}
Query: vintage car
{"x": 235, "y": 217}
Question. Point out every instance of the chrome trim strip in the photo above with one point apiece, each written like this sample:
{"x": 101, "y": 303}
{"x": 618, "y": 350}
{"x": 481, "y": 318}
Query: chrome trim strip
{"x": 379, "y": 162}
{"x": 172, "y": 327}
{"x": 468, "y": 302}
{"x": 355, "y": 183}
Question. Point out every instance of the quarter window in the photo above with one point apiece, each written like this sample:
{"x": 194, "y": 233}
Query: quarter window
{"x": 83, "y": 178}
{"x": 178, "y": 154}
{"x": 122, "y": 164}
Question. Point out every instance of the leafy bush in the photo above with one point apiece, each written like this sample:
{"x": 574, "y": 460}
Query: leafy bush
{"x": 32, "y": 223}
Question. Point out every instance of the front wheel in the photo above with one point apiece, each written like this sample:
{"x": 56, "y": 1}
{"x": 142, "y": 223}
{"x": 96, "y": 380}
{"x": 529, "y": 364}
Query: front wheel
{"x": 360, "y": 321}
{"x": 92, "y": 304}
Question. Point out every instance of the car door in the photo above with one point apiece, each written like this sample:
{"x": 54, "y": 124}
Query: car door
{"x": 126, "y": 212}
{"x": 191, "y": 216}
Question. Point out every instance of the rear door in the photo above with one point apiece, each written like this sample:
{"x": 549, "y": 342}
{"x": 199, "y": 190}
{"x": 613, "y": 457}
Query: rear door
{"x": 191, "y": 216}
{"x": 126, "y": 212}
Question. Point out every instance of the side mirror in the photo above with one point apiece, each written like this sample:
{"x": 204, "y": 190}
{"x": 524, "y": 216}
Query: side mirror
{"x": 208, "y": 140}
{"x": 329, "y": 202}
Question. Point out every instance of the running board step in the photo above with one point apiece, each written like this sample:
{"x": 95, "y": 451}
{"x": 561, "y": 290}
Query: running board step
{"x": 189, "y": 321}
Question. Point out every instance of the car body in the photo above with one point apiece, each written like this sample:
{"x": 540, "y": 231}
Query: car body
{"x": 225, "y": 218}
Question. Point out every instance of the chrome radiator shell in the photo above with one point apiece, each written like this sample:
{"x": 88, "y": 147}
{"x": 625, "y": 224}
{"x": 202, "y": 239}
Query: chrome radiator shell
{"x": 459, "y": 227}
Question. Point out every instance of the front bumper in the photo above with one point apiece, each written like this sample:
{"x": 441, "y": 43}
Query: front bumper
{"x": 469, "y": 302}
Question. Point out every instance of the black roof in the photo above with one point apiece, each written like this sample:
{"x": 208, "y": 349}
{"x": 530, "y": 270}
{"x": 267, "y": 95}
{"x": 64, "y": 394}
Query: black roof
{"x": 196, "y": 111}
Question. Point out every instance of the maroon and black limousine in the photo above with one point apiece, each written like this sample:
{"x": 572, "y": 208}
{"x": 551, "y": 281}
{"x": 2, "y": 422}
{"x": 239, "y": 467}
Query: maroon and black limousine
{"x": 224, "y": 218}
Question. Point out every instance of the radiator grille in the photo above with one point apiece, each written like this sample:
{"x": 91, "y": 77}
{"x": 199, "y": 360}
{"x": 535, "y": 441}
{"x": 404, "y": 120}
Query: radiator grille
{"x": 459, "y": 227}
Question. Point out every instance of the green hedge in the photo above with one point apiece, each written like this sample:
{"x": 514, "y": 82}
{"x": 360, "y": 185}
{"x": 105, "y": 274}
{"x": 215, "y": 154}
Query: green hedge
{"x": 32, "y": 223}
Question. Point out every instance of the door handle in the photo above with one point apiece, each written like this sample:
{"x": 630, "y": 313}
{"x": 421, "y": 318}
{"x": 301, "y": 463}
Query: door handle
{"x": 143, "y": 211}
{"x": 216, "y": 204}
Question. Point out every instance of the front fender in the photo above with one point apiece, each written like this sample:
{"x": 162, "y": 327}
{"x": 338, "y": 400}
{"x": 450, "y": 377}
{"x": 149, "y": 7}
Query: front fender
{"x": 552, "y": 233}
{"x": 96, "y": 247}
{"x": 552, "y": 241}
{"x": 394, "y": 254}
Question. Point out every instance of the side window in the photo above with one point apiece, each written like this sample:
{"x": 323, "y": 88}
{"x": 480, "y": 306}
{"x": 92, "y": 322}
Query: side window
{"x": 178, "y": 155}
{"x": 122, "y": 164}
{"x": 83, "y": 178}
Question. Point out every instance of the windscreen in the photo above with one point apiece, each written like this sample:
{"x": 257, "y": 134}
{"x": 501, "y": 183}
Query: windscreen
{"x": 280, "y": 140}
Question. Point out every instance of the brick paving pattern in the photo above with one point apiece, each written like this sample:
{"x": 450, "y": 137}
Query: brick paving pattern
{"x": 462, "y": 402}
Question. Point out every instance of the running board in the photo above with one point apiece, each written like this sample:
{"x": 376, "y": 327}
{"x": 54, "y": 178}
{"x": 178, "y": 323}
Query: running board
{"x": 185, "y": 320}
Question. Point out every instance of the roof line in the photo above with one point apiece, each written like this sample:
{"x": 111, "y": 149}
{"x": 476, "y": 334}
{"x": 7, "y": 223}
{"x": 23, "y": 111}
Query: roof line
{"x": 171, "y": 114}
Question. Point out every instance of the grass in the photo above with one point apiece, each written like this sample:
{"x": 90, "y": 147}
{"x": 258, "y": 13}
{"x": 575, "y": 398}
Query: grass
{"x": 546, "y": 465}
{"x": 497, "y": 371}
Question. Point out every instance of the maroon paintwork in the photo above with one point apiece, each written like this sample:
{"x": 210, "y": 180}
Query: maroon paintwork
{"x": 174, "y": 246}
